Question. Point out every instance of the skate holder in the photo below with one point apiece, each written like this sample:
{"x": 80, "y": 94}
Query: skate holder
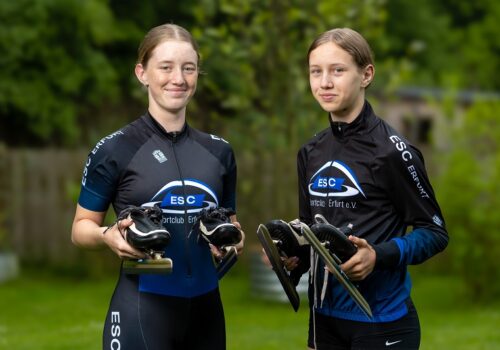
{"x": 161, "y": 266}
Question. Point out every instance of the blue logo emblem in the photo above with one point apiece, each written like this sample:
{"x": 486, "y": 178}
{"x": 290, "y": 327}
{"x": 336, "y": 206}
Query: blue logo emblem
{"x": 334, "y": 179}
{"x": 178, "y": 197}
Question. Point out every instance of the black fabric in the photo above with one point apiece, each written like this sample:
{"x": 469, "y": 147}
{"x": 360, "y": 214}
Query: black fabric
{"x": 366, "y": 174}
{"x": 183, "y": 173}
{"x": 328, "y": 333}
{"x": 146, "y": 321}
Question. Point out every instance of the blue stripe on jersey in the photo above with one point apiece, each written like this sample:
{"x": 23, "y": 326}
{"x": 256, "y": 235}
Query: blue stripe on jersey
{"x": 92, "y": 201}
{"x": 390, "y": 304}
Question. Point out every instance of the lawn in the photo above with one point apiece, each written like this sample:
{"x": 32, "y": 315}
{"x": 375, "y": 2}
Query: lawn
{"x": 40, "y": 311}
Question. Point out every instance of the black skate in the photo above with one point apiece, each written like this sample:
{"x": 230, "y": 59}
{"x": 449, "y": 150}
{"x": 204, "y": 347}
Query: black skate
{"x": 148, "y": 235}
{"x": 286, "y": 237}
{"x": 280, "y": 240}
{"x": 215, "y": 227}
{"x": 334, "y": 239}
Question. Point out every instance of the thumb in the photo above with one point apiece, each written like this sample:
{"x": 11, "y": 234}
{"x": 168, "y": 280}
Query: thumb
{"x": 360, "y": 242}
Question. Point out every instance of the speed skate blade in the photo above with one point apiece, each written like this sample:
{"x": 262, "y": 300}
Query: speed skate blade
{"x": 278, "y": 267}
{"x": 335, "y": 269}
{"x": 227, "y": 261}
{"x": 161, "y": 266}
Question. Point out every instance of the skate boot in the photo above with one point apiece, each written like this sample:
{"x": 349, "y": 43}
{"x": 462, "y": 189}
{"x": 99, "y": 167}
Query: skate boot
{"x": 148, "y": 235}
{"x": 280, "y": 240}
{"x": 285, "y": 237}
{"x": 215, "y": 227}
{"x": 334, "y": 239}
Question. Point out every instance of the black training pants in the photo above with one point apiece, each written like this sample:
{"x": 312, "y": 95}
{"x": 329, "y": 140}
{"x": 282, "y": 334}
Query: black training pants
{"x": 329, "y": 333}
{"x": 146, "y": 321}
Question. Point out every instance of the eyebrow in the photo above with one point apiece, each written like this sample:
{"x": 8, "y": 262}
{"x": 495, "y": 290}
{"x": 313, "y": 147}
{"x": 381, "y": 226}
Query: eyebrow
{"x": 331, "y": 64}
{"x": 170, "y": 61}
{"x": 334, "y": 65}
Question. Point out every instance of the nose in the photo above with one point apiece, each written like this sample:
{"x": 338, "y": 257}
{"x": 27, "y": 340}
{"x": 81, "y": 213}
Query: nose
{"x": 178, "y": 76}
{"x": 326, "y": 81}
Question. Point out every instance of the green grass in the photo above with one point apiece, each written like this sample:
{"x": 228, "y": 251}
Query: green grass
{"x": 449, "y": 320}
{"x": 44, "y": 312}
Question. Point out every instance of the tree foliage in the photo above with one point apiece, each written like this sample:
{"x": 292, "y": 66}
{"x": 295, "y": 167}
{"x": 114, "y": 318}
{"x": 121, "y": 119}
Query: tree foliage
{"x": 67, "y": 65}
{"x": 53, "y": 67}
{"x": 468, "y": 193}
{"x": 256, "y": 76}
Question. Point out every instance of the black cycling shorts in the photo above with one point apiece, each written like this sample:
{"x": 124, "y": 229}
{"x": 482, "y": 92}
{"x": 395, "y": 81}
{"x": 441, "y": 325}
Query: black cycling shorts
{"x": 146, "y": 321}
{"x": 330, "y": 333}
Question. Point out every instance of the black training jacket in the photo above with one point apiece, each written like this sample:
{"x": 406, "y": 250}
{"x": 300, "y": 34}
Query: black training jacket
{"x": 368, "y": 175}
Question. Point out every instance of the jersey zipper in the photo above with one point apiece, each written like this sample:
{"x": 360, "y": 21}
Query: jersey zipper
{"x": 186, "y": 234}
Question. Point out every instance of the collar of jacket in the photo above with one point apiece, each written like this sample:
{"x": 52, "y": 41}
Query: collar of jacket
{"x": 342, "y": 130}
{"x": 173, "y": 136}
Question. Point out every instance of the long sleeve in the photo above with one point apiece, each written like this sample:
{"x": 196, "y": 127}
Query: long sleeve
{"x": 410, "y": 191}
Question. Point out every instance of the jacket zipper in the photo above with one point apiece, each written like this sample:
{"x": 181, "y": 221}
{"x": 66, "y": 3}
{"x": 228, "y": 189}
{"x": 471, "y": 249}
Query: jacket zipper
{"x": 186, "y": 234}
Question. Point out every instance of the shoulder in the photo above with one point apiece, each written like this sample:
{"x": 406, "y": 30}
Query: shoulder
{"x": 318, "y": 138}
{"x": 315, "y": 141}
{"x": 121, "y": 142}
{"x": 216, "y": 146}
{"x": 213, "y": 143}
{"x": 393, "y": 146}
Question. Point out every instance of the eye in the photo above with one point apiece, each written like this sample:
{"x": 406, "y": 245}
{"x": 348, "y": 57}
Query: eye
{"x": 189, "y": 69}
{"x": 315, "y": 71}
{"x": 166, "y": 68}
{"x": 338, "y": 70}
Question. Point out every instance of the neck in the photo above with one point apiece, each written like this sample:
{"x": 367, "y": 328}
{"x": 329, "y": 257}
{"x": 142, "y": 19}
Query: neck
{"x": 350, "y": 114}
{"x": 170, "y": 121}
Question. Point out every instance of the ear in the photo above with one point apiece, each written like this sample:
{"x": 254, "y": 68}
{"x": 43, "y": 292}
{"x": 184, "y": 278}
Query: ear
{"x": 141, "y": 75}
{"x": 368, "y": 74}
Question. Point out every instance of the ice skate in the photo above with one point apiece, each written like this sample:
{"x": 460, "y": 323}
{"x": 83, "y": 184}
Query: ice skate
{"x": 215, "y": 227}
{"x": 147, "y": 234}
{"x": 334, "y": 239}
{"x": 323, "y": 247}
{"x": 280, "y": 240}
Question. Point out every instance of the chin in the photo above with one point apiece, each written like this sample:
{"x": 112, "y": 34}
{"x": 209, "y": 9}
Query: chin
{"x": 329, "y": 108}
{"x": 176, "y": 105}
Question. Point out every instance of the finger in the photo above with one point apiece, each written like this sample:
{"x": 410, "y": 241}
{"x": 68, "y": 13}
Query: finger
{"x": 124, "y": 223}
{"x": 240, "y": 246}
{"x": 215, "y": 251}
{"x": 360, "y": 242}
{"x": 291, "y": 263}
{"x": 348, "y": 266}
{"x": 139, "y": 254}
{"x": 130, "y": 252}
{"x": 237, "y": 224}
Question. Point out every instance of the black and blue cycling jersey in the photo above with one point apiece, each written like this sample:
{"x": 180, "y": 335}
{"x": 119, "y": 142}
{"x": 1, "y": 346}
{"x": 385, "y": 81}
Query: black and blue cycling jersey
{"x": 366, "y": 174}
{"x": 182, "y": 172}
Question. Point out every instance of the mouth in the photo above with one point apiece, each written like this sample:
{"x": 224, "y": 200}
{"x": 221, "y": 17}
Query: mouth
{"x": 327, "y": 97}
{"x": 176, "y": 92}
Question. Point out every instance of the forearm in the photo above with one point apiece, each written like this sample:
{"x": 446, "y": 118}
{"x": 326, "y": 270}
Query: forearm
{"x": 87, "y": 231}
{"x": 87, "y": 234}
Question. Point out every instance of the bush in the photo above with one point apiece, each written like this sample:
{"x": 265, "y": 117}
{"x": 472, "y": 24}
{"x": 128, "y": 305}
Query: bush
{"x": 468, "y": 192}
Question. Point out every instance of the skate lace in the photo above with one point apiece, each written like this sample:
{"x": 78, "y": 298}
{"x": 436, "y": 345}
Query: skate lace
{"x": 220, "y": 213}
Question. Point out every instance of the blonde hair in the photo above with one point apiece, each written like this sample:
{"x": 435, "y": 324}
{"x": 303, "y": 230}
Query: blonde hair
{"x": 159, "y": 34}
{"x": 350, "y": 41}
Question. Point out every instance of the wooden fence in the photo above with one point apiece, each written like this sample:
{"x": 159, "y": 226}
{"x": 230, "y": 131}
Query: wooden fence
{"x": 39, "y": 190}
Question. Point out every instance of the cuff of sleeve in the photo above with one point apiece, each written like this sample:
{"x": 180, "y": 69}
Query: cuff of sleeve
{"x": 388, "y": 255}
